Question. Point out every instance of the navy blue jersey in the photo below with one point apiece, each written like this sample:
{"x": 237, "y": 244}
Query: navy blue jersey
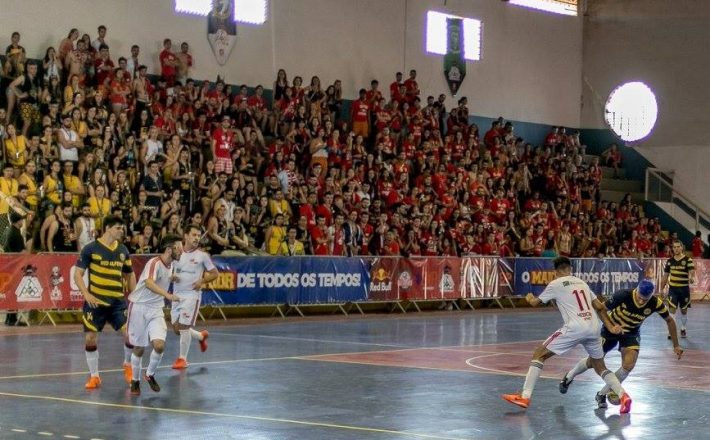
{"x": 626, "y": 312}
{"x": 105, "y": 265}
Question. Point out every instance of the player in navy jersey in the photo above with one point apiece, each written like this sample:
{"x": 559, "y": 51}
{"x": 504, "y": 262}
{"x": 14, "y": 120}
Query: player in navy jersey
{"x": 628, "y": 308}
{"x": 110, "y": 273}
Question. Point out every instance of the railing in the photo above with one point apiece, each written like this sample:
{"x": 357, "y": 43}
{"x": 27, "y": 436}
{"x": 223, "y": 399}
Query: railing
{"x": 659, "y": 188}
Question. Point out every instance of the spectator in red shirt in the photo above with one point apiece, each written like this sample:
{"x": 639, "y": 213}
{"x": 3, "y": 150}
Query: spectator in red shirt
{"x": 411, "y": 86}
{"x": 361, "y": 115}
{"x": 697, "y": 246}
{"x": 168, "y": 63}
{"x": 394, "y": 87}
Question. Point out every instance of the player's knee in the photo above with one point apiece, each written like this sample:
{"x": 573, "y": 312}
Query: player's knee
{"x": 599, "y": 365}
{"x": 138, "y": 351}
{"x": 158, "y": 346}
{"x": 541, "y": 354}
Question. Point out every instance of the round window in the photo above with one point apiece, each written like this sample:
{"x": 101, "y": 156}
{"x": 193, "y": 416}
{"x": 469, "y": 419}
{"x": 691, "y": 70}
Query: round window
{"x": 631, "y": 111}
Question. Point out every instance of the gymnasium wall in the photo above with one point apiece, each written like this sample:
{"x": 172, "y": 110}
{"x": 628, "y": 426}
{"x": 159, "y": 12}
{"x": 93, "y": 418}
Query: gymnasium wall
{"x": 662, "y": 43}
{"x": 531, "y": 67}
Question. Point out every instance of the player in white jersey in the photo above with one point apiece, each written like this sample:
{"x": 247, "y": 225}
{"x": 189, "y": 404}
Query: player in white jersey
{"x": 579, "y": 308}
{"x": 146, "y": 322}
{"x": 193, "y": 271}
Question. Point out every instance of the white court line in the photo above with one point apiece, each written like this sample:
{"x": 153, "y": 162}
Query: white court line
{"x": 336, "y": 426}
{"x": 326, "y": 341}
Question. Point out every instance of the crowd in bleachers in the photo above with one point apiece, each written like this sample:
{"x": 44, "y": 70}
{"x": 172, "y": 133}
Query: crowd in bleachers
{"x": 399, "y": 173}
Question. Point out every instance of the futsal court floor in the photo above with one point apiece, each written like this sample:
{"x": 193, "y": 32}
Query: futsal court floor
{"x": 415, "y": 376}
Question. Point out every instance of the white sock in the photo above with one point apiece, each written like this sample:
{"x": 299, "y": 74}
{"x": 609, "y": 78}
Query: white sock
{"x": 578, "y": 369}
{"x": 683, "y": 321}
{"x": 92, "y": 359}
{"x": 136, "y": 364}
{"x": 612, "y": 382}
{"x": 531, "y": 378}
{"x": 127, "y": 352}
{"x": 620, "y": 374}
{"x": 185, "y": 339}
{"x": 155, "y": 358}
{"x": 195, "y": 334}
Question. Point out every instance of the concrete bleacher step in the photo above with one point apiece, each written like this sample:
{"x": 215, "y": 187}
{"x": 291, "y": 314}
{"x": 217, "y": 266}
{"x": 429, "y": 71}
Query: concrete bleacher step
{"x": 617, "y": 196}
{"x": 608, "y": 173}
{"x": 622, "y": 185}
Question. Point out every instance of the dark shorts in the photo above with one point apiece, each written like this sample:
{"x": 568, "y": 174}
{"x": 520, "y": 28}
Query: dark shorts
{"x": 679, "y": 297}
{"x": 94, "y": 318}
{"x": 627, "y": 340}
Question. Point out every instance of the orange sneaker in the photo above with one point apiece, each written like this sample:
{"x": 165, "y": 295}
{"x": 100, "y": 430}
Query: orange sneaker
{"x": 180, "y": 364}
{"x": 127, "y": 372}
{"x": 625, "y": 404}
{"x": 516, "y": 399}
{"x": 93, "y": 383}
{"x": 203, "y": 343}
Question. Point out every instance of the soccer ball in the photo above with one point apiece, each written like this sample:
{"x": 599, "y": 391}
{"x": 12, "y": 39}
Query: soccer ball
{"x": 613, "y": 398}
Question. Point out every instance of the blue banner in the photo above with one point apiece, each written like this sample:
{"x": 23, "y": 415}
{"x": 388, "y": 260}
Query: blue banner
{"x": 281, "y": 280}
{"x": 603, "y": 276}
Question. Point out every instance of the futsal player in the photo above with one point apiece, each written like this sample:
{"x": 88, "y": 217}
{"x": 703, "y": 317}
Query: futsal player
{"x": 110, "y": 272}
{"x": 193, "y": 271}
{"x": 146, "y": 322}
{"x": 628, "y": 308}
{"x": 579, "y": 308}
{"x": 678, "y": 275}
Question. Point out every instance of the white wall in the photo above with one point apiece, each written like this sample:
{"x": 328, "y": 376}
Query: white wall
{"x": 664, "y": 44}
{"x": 531, "y": 67}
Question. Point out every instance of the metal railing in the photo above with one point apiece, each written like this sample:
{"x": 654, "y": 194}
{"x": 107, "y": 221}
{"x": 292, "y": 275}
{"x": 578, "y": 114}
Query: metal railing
{"x": 659, "y": 188}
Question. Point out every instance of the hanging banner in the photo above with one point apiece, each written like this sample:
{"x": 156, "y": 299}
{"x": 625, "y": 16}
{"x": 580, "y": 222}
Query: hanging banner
{"x": 603, "y": 276}
{"x": 454, "y": 62}
{"x": 222, "y": 29}
{"x": 384, "y": 273}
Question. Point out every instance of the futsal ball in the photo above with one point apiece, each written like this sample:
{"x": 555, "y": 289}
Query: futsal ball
{"x": 613, "y": 398}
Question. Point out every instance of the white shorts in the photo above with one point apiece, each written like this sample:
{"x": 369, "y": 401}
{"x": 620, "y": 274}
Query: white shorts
{"x": 565, "y": 339}
{"x": 145, "y": 323}
{"x": 186, "y": 310}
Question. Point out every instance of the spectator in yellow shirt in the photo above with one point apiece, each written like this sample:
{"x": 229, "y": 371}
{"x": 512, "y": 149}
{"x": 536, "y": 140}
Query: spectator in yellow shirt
{"x": 73, "y": 184}
{"x": 15, "y": 148}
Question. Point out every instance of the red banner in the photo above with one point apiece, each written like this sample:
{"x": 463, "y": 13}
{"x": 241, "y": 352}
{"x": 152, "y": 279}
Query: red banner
{"x": 38, "y": 282}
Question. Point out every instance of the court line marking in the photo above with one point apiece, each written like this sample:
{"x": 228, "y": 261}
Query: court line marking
{"x": 299, "y": 357}
{"x": 327, "y": 341}
{"x": 233, "y": 416}
{"x": 115, "y": 370}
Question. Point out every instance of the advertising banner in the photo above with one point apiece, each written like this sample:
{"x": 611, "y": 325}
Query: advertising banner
{"x": 281, "y": 280}
{"x": 44, "y": 282}
{"x": 603, "y": 276}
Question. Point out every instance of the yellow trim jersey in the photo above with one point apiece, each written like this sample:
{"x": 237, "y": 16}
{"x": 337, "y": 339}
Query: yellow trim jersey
{"x": 624, "y": 310}
{"x": 106, "y": 266}
{"x": 678, "y": 271}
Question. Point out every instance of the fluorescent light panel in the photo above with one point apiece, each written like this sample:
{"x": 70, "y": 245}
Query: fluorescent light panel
{"x": 436, "y": 35}
{"x": 568, "y": 7}
{"x": 245, "y": 11}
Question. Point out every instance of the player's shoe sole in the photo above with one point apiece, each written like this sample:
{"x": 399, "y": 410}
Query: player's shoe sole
{"x": 516, "y": 399}
{"x": 93, "y": 383}
{"x": 135, "y": 388}
{"x": 152, "y": 383}
{"x": 128, "y": 373}
{"x": 203, "y": 343}
{"x": 564, "y": 384}
{"x": 625, "y": 404}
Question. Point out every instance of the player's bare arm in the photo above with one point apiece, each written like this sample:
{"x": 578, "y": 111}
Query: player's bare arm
{"x": 673, "y": 332}
{"x": 532, "y": 300}
{"x": 129, "y": 280}
{"x": 207, "y": 278}
{"x": 155, "y": 288}
{"x": 600, "y": 308}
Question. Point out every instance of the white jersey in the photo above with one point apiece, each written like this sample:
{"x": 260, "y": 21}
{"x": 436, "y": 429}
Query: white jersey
{"x": 574, "y": 300}
{"x": 190, "y": 269}
{"x": 157, "y": 271}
